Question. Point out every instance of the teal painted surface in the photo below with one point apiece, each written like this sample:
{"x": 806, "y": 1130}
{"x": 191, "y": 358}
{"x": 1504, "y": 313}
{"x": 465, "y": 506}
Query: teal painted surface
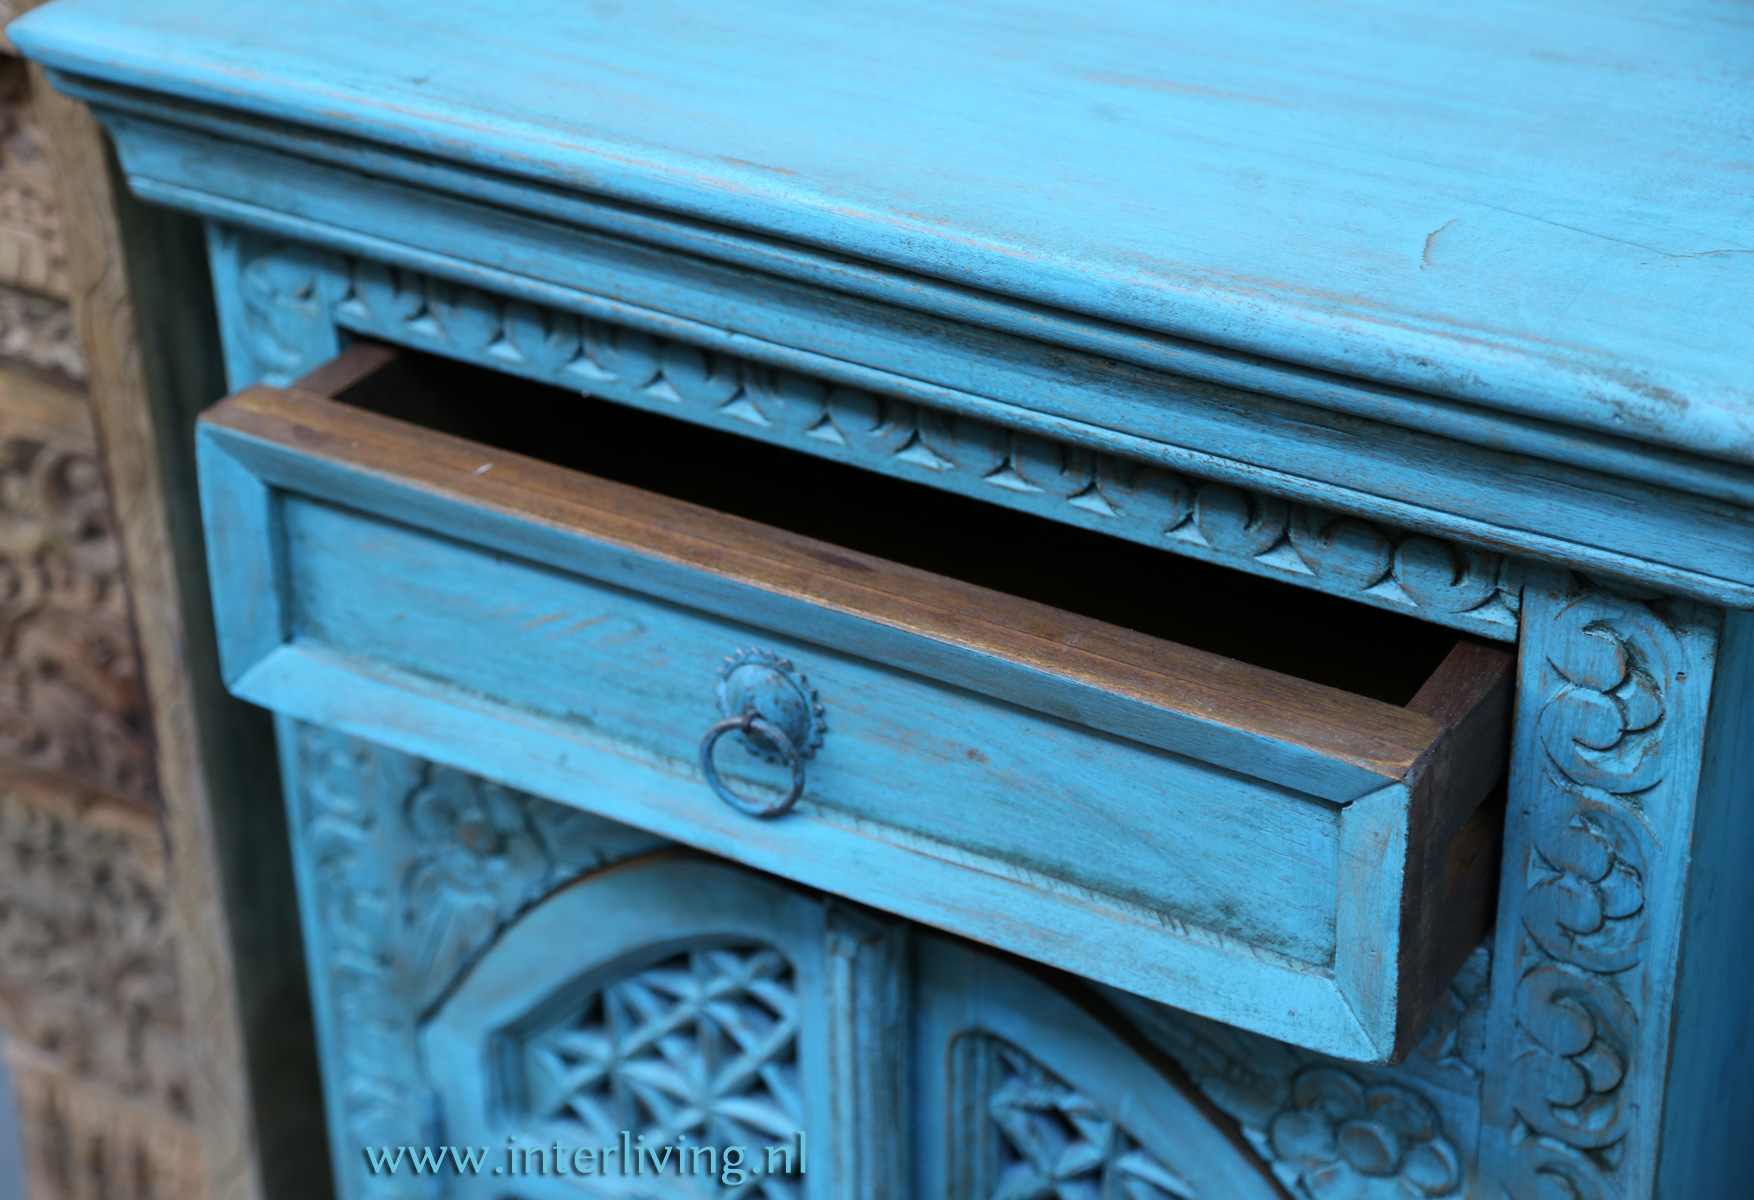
{"x": 1711, "y": 1069}
{"x": 1485, "y": 204}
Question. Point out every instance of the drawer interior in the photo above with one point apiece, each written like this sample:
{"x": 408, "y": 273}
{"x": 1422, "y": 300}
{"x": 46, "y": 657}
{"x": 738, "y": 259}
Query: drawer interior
{"x": 1299, "y": 632}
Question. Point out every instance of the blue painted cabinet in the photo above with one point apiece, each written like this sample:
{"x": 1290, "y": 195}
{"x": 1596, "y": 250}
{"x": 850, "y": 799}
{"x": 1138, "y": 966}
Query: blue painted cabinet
{"x": 570, "y": 1004}
{"x": 1318, "y": 769}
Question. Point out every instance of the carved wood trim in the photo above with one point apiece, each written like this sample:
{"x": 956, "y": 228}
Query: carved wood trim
{"x": 1614, "y": 693}
{"x": 282, "y": 303}
{"x": 408, "y": 871}
{"x": 1334, "y": 1129}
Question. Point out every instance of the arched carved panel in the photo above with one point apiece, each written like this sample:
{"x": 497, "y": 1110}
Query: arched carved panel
{"x": 698, "y": 1049}
{"x": 637, "y": 1025}
{"x": 1023, "y": 1092}
{"x": 1043, "y": 1137}
{"x": 408, "y": 871}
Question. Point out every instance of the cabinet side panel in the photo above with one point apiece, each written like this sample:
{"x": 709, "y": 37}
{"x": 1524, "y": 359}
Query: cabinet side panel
{"x": 1708, "y": 1117}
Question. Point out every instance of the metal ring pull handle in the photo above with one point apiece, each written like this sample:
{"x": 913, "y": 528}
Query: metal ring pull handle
{"x": 747, "y": 724}
{"x": 776, "y": 715}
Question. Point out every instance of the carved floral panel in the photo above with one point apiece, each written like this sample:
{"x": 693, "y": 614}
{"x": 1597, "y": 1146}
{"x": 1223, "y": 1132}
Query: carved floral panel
{"x": 87, "y": 972}
{"x": 1337, "y": 1131}
{"x": 408, "y": 871}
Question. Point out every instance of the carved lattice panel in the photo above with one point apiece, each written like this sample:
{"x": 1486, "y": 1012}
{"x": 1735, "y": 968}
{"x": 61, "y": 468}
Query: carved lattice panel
{"x": 702, "y": 1046}
{"x": 679, "y": 1027}
{"x": 1053, "y": 1141}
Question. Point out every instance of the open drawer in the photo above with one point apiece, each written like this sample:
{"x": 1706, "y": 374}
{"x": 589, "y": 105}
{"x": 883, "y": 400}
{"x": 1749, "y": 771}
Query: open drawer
{"x": 1267, "y": 850}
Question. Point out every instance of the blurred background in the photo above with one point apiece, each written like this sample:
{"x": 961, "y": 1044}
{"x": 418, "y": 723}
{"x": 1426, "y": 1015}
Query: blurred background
{"x": 94, "y": 1082}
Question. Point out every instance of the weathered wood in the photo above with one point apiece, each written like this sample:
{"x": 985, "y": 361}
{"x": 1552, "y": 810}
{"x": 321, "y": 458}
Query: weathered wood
{"x": 144, "y": 308}
{"x": 95, "y": 1032}
{"x": 1456, "y": 825}
{"x": 71, "y": 697}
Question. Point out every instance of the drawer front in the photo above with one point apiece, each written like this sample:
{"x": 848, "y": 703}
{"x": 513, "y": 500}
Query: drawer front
{"x": 1259, "y": 849}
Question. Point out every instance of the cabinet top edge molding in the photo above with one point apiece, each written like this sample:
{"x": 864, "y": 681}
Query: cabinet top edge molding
{"x": 1538, "y": 207}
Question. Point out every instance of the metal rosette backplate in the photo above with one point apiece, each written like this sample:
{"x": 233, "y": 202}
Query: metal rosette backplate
{"x": 763, "y": 682}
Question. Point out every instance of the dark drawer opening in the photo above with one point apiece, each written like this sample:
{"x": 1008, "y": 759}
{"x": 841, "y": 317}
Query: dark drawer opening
{"x": 1299, "y": 632}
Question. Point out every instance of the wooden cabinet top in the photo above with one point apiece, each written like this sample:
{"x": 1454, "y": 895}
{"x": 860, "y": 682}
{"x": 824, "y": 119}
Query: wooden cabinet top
{"x": 1538, "y": 207}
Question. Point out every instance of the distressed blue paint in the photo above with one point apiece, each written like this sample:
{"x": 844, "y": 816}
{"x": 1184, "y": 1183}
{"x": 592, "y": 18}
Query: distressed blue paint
{"x": 1483, "y": 204}
{"x": 1480, "y": 274}
{"x": 1711, "y": 1113}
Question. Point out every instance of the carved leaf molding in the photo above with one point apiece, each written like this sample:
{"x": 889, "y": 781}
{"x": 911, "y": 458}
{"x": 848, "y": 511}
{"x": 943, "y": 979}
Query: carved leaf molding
{"x": 1603, "y": 726}
{"x": 286, "y": 288}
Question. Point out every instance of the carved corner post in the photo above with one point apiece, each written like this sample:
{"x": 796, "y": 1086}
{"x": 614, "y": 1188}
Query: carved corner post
{"x": 1613, "y": 719}
{"x": 138, "y": 283}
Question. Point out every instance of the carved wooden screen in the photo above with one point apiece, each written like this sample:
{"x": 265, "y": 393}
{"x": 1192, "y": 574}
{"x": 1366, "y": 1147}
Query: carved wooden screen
{"x": 673, "y": 1027}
